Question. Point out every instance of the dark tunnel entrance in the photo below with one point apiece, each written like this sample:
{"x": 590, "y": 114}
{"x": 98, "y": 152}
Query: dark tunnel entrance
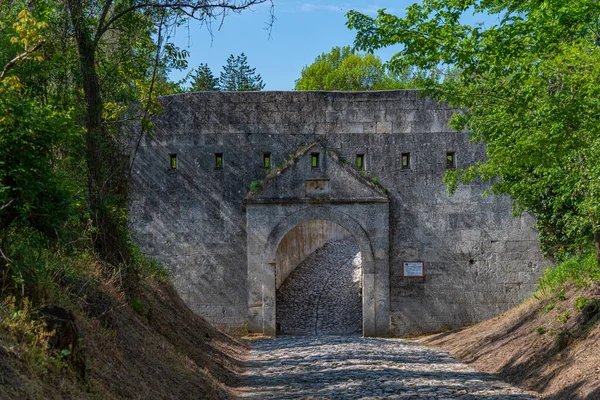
{"x": 319, "y": 281}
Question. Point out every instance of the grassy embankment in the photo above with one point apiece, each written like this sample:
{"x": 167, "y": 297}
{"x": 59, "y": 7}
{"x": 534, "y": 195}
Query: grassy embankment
{"x": 549, "y": 343}
{"x": 142, "y": 342}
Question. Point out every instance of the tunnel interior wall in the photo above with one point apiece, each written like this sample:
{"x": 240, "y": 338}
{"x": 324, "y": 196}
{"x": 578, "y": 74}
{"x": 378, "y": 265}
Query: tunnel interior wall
{"x": 303, "y": 240}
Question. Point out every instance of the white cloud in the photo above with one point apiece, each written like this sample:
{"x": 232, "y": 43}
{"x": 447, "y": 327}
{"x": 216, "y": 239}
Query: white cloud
{"x": 308, "y": 7}
{"x": 340, "y": 7}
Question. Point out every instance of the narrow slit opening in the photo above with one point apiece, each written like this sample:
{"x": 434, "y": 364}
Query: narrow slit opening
{"x": 314, "y": 160}
{"x": 360, "y": 162}
{"x": 405, "y": 160}
{"x": 451, "y": 160}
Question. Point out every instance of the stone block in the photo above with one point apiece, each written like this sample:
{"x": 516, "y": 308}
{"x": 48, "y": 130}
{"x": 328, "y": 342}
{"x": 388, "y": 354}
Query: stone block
{"x": 384, "y": 127}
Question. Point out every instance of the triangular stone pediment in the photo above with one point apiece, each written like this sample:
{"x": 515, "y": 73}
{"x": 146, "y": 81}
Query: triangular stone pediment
{"x": 316, "y": 175}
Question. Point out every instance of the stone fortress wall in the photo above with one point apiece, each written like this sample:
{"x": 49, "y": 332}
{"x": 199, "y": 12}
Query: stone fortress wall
{"x": 478, "y": 259}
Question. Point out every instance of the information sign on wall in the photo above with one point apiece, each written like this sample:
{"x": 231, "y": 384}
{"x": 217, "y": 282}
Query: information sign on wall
{"x": 413, "y": 269}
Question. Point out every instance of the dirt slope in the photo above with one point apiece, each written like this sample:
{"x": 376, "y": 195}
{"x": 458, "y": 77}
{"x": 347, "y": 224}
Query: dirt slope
{"x": 162, "y": 352}
{"x": 549, "y": 345}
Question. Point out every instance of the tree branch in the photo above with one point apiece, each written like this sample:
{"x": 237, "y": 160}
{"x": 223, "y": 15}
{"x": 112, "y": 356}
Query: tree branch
{"x": 99, "y": 31}
{"x": 182, "y": 6}
{"x": 152, "y": 83}
{"x": 11, "y": 64}
{"x": 7, "y": 204}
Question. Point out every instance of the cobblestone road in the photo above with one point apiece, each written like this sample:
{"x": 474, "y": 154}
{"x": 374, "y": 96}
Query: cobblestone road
{"x": 335, "y": 367}
{"x": 322, "y": 296}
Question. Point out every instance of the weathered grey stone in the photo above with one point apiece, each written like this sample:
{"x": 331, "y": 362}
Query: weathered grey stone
{"x": 334, "y": 367}
{"x": 479, "y": 260}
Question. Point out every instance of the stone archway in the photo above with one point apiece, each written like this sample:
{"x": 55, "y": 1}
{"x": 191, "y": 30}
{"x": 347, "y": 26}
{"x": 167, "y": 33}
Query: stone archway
{"x": 315, "y": 184}
{"x": 267, "y": 225}
{"x": 355, "y": 230}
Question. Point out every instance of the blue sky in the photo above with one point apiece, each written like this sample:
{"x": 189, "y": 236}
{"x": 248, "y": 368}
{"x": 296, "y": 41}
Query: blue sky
{"x": 302, "y": 31}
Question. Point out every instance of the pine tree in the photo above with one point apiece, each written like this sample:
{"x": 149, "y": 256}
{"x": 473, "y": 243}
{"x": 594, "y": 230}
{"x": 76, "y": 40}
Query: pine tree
{"x": 238, "y": 76}
{"x": 203, "y": 79}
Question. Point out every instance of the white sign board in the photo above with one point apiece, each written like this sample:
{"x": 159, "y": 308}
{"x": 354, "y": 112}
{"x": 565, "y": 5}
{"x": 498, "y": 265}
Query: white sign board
{"x": 413, "y": 269}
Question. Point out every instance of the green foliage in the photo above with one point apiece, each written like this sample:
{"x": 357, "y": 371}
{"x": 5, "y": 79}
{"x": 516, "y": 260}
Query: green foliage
{"x": 68, "y": 72}
{"x": 581, "y": 302}
{"x": 255, "y": 186}
{"x": 541, "y": 330}
{"x": 46, "y": 222}
{"x": 549, "y": 307}
{"x": 33, "y": 187}
{"x": 562, "y": 340}
{"x": 238, "y": 76}
{"x": 148, "y": 267}
{"x": 203, "y": 79}
{"x": 27, "y": 334}
{"x": 563, "y": 317}
{"x": 64, "y": 353}
{"x": 345, "y": 69}
{"x": 529, "y": 90}
{"x": 577, "y": 269}
{"x": 137, "y": 305}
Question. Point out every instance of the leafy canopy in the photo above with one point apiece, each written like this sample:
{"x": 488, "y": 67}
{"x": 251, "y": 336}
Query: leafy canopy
{"x": 343, "y": 68}
{"x": 529, "y": 89}
{"x": 32, "y": 186}
{"x": 68, "y": 73}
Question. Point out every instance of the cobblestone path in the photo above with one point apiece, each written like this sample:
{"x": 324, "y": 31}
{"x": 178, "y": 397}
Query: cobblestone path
{"x": 336, "y": 367}
{"x": 322, "y": 296}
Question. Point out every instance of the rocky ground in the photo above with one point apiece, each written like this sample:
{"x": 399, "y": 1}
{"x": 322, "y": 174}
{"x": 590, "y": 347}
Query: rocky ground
{"x": 350, "y": 367}
{"x": 322, "y": 296}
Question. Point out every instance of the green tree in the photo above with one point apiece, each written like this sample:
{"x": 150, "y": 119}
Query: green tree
{"x": 203, "y": 79}
{"x": 529, "y": 89}
{"x": 68, "y": 72}
{"x": 95, "y": 26}
{"x": 238, "y": 76}
{"x": 35, "y": 197}
{"x": 345, "y": 69}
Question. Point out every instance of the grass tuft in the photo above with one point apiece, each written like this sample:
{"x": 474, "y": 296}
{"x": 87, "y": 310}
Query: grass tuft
{"x": 579, "y": 269}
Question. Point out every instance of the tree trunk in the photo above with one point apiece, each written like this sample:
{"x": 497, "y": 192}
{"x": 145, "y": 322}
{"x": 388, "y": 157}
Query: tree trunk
{"x": 597, "y": 243}
{"x": 104, "y": 185}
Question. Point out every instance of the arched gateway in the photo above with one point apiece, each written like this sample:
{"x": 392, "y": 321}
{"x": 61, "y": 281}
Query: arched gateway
{"x": 315, "y": 184}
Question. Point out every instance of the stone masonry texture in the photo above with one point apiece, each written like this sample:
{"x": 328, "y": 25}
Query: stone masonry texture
{"x": 478, "y": 259}
{"x": 350, "y": 367}
{"x": 335, "y": 192}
